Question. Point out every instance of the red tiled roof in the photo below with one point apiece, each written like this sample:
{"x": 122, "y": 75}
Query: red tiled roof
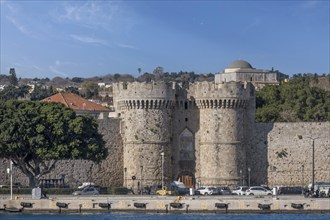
{"x": 75, "y": 102}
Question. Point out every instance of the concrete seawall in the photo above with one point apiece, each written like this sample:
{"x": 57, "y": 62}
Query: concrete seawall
{"x": 163, "y": 204}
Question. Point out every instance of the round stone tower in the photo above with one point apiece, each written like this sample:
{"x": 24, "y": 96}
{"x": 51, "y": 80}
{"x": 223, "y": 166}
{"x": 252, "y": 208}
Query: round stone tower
{"x": 223, "y": 112}
{"x": 146, "y": 110}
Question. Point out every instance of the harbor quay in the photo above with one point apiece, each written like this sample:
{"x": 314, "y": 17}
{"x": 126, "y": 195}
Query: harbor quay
{"x": 165, "y": 204}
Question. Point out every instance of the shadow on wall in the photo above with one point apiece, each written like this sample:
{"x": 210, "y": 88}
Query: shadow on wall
{"x": 257, "y": 155}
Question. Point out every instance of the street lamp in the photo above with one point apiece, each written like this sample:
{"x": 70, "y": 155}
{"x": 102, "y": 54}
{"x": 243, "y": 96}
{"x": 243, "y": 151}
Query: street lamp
{"x": 10, "y": 172}
{"x": 302, "y": 179}
{"x": 162, "y": 154}
{"x": 249, "y": 170}
{"x": 240, "y": 177}
{"x": 313, "y": 158}
{"x": 125, "y": 177}
{"x": 141, "y": 180}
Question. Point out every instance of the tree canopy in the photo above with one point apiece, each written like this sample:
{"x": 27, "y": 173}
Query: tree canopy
{"x": 13, "y": 79}
{"x": 14, "y": 92}
{"x": 90, "y": 89}
{"x": 35, "y": 135}
{"x": 294, "y": 101}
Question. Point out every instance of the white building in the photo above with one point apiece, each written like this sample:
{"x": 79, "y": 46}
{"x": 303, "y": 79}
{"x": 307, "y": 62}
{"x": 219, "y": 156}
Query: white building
{"x": 240, "y": 71}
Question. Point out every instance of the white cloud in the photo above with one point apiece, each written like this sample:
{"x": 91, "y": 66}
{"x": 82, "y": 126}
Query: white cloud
{"x": 89, "y": 40}
{"x": 11, "y": 7}
{"x": 20, "y": 27}
{"x": 309, "y": 4}
{"x": 110, "y": 16}
{"x": 126, "y": 46}
{"x": 93, "y": 14}
{"x": 37, "y": 68}
{"x": 22, "y": 21}
{"x": 58, "y": 65}
{"x": 54, "y": 69}
{"x": 255, "y": 23}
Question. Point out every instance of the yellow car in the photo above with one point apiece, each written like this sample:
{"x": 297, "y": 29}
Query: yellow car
{"x": 164, "y": 192}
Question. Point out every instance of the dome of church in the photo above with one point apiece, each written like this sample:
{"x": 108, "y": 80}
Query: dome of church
{"x": 240, "y": 64}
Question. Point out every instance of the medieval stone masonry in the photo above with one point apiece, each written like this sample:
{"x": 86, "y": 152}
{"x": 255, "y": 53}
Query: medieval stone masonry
{"x": 201, "y": 133}
{"x": 195, "y": 126}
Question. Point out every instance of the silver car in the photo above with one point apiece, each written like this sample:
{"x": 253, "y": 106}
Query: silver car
{"x": 224, "y": 190}
{"x": 240, "y": 190}
{"x": 86, "y": 191}
{"x": 258, "y": 191}
{"x": 205, "y": 190}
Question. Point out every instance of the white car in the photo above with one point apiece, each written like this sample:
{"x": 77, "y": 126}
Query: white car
{"x": 240, "y": 190}
{"x": 86, "y": 184}
{"x": 86, "y": 191}
{"x": 205, "y": 190}
{"x": 258, "y": 191}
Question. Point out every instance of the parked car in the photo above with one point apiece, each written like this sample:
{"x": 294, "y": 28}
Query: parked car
{"x": 289, "y": 190}
{"x": 258, "y": 190}
{"x": 86, "y": 191}
{"x": 86, "y": 184}
{"x": 154, "y": 188}
{"x": 205, "y": 190}
{"x": 240, "y": 190}
{"x": 164, "y": 192}
{"x": 224, "y": 190}
{"x": 179, "y": 188}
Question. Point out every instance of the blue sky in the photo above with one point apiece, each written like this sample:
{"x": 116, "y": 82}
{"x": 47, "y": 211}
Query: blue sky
{"x": 93, "y": 38}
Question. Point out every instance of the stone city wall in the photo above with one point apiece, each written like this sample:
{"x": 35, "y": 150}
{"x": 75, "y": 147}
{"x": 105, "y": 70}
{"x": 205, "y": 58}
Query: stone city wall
{"x": 107, "y": 173}
{"x": 266, "y": 167}
{"x": 294, "y": 169}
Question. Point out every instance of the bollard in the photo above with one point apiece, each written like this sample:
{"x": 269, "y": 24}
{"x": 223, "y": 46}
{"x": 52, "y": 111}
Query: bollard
{"x": 187, "y": 207}
{"x": 297, "y": 205}
{"x": 222, "y": 206}
{"x": 26, "y": 205}
{"x": 264, "y": 206}
{"x": 105, "y": 205}
{"x": 176, "y": 205}
{"x": 139, "y": 205}
{"x": 61, "y": 205}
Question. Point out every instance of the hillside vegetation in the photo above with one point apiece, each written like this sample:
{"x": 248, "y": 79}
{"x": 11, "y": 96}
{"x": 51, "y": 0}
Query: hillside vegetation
{"x": 303, "y": 98}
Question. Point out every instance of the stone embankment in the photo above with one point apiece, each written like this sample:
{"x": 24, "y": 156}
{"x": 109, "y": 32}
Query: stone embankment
{"x": 166, "y": 204}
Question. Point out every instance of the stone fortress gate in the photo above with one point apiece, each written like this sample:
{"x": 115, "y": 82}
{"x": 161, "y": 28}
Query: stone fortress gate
{"x": 200, "y": 128}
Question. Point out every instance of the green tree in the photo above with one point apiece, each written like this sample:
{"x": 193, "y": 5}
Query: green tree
{"x": 72, "y": 89}
{"x": 90, "y": 89}
{"x": 14, "y": 92}
{"x": 35, "y": 135}
{"x": 12, "y": 78}
{"x": 40, "y": 92}
{"x": 297, "y": 100}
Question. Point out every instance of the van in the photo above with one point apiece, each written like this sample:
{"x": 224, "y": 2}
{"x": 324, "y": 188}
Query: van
{"x": 322, "y": 186}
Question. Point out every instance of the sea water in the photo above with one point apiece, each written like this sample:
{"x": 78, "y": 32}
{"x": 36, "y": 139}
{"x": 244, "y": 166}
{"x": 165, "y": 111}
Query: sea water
{"x": 163, "y": 216}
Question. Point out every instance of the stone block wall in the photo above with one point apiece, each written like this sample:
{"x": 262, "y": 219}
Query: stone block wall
{"x": 294, "y": 169}
{"x": 266, "y": 167}
{"x": 108, "y": 173}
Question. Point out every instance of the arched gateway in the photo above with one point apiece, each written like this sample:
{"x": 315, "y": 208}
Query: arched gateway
{"x": 187, "y": 178}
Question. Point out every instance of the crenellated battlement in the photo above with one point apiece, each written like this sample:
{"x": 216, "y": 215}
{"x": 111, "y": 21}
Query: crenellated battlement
{"x": 225, "y": 91}
{"x": 221, "y": 103}
{"x": 143, "y": 90}
{"x": 147, "y": 104}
